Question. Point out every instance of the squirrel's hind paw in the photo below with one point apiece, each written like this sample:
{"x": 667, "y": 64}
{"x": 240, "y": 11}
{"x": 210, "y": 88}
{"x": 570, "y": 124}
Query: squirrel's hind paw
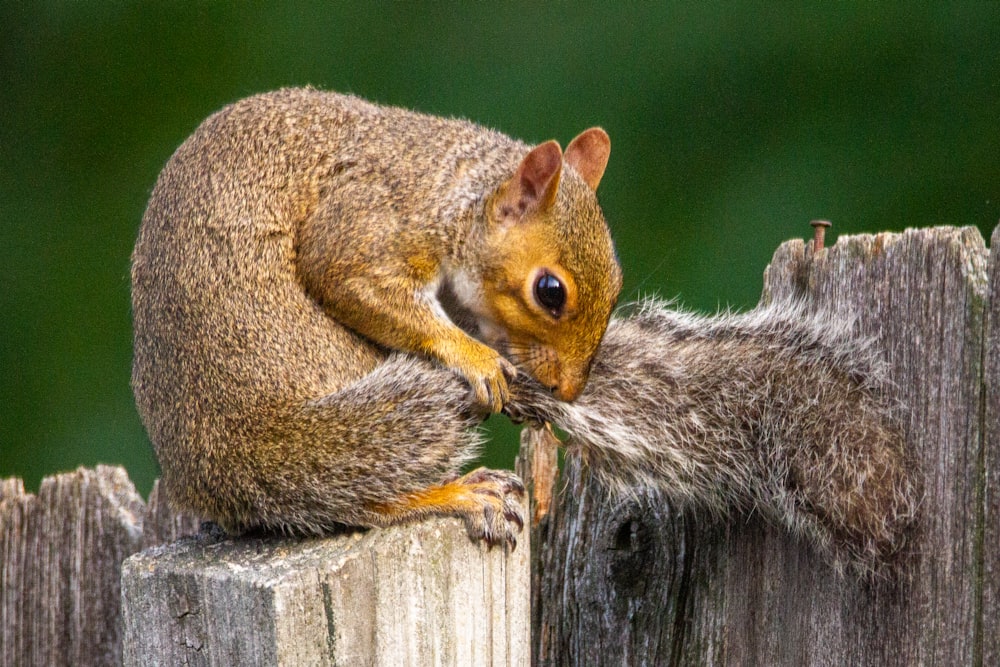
{"x": 499, "y": 516}
{"x": 489, "y": 501}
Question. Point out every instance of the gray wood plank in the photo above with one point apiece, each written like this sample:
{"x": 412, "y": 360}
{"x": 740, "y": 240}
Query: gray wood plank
{"x": 60, "y": 560}
{"x": 422, "y": 594}
{"x": 922, "y": 295}
{"x": 990, "y": 482}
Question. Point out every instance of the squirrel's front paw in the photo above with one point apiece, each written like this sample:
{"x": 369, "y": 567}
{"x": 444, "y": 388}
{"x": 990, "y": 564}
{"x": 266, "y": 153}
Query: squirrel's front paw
{"x": 490, "y": 380}
{"x": 499, "y": 515}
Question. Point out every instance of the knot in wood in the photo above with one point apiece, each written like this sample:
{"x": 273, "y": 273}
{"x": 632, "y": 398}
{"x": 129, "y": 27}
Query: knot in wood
{"x": 632, "y": 559}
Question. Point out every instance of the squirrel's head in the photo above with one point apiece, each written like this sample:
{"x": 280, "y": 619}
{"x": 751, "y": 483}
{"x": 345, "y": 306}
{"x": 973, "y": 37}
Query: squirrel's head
{"x": 550, "y": 274}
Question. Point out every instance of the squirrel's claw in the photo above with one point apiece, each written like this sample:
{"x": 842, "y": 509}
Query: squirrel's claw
{"x": 492, "y": 388}
{"x": 500, "y": 515}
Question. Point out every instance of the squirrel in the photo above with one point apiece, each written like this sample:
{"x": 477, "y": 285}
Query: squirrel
{"x": 777, "y": 410}
{"x": 329, "y": 295}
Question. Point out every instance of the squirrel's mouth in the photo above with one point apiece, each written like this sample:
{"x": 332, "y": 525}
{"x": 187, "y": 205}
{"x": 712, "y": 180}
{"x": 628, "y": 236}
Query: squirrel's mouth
{"x": 542, "y": 364}
{"x": 525, "y": 359}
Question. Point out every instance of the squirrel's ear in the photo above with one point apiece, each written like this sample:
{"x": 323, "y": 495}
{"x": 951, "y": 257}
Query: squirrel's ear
{"x": 536, "y": 181}
{"x": 588, "y": 155}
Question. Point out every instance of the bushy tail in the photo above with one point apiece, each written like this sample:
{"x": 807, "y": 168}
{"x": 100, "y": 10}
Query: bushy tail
{"x": 774, "y": 410}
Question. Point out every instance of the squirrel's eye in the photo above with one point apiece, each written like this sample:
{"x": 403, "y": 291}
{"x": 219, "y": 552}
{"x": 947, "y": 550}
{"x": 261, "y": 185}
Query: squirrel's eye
{"x": 550, "y": 293}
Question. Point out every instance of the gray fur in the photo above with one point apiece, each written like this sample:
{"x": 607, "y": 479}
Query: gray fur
{"x": 775, "y": 410}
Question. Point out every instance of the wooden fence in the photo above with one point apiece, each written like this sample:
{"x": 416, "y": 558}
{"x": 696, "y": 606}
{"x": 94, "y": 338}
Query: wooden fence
{"x": 61, "y": 553}
{"x": 612, "y": 580}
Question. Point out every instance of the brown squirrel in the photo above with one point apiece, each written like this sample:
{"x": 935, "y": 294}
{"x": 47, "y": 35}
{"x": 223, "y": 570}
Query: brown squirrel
{"x": 301, "y": 266}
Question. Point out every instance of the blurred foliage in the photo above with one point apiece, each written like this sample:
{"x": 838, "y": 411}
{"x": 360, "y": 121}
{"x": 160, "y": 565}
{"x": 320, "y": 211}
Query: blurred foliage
{"x": 731, "y": 127}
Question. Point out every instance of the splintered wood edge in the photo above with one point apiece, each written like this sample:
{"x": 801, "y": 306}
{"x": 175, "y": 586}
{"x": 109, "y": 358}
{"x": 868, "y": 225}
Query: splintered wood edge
{"x": 538, "y": 465}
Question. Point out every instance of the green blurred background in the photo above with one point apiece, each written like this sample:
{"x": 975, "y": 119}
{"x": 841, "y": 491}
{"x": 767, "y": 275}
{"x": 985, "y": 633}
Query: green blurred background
{"x": 731, "y": 128}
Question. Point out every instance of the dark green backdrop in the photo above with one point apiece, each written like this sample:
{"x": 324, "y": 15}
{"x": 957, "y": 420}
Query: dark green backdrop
{"x": 731, "y": 128}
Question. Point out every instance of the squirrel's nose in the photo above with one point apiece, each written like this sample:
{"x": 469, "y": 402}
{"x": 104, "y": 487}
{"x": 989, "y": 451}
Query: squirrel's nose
{"x": 568, "y": 390}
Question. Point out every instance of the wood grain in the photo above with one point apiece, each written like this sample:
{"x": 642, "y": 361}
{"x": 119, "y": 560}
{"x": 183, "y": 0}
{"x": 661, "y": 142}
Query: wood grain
{"x": 60, "y": 560}
{"x": 989, "y": 488}
{"x": 422, "y": 594}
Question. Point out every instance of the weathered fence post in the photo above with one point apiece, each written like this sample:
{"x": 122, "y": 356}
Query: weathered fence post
{"x": 60, "y": 558}
{"x": 631, "y": 580}
{"x": 422, "y": 594}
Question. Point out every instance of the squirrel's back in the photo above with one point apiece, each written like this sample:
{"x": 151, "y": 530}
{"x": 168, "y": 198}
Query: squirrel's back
{"x": 215, "y": 262}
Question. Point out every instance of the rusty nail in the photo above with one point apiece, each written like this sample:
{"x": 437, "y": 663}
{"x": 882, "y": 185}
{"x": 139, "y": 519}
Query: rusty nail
{"x": 819, "y": 227}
